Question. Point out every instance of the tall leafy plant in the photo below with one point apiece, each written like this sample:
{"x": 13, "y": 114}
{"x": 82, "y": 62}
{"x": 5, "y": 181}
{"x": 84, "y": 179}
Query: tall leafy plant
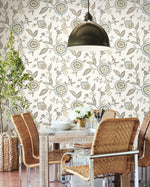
{"x": 12, "y": 79}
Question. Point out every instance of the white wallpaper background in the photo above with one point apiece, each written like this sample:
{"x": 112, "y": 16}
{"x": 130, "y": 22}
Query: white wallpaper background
{"x": 117, "y": 78}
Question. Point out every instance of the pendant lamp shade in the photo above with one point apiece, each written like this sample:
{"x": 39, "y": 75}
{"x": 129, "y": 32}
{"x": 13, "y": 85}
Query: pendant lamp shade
{"x": 88, "y": 35}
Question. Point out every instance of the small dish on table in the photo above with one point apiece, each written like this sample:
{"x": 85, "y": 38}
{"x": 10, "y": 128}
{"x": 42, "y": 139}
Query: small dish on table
{"x": 61, "y": 125}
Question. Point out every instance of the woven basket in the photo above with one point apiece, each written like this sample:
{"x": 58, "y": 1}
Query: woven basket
{"x": 8, "y": 152}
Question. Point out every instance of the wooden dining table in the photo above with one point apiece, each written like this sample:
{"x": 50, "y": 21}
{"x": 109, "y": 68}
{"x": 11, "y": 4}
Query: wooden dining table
{"x": 49, "y": 136}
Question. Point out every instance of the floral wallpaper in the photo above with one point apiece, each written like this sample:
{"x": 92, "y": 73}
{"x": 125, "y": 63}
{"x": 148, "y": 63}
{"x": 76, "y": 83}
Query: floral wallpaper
{"x": 117, "y": 78}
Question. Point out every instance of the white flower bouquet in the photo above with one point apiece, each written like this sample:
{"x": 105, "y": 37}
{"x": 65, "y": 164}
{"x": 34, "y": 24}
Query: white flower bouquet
{"x": 82, "y": 112}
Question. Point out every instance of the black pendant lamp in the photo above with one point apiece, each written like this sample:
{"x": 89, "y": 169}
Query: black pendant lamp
{"x": 88, "y": 35}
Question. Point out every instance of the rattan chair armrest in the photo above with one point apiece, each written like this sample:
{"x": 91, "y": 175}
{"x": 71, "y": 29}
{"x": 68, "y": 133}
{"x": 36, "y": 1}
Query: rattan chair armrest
{"x": 63, "y": 160}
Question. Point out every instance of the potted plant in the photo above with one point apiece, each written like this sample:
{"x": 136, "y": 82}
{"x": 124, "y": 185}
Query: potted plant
{"x": 12, "y": 80}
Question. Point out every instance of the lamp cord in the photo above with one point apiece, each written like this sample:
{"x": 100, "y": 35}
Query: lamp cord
{"x": 88, "y": 16}
{"x": 88, "y": 6}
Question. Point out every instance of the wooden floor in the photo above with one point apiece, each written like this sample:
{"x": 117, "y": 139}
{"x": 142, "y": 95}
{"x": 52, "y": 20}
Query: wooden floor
{"x": 11, "y": 179}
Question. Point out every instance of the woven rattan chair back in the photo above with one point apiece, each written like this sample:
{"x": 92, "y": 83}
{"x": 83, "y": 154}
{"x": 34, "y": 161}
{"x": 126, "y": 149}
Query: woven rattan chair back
{"x": 34, "y": 135}
{"x": 114, "y": 135}
{"x": 55, "y": 155}
{"x": 25, "y": 140}
{"x": 144, "y": 142}
{"x": 143, "y": 129}
{"x": 108, "y": 114}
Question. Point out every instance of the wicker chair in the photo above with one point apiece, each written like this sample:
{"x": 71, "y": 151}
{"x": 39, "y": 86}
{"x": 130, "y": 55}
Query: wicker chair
{"x": 34, "y": 135}
{"x": 27, "y": 148}
{"x": 111, "y": 150}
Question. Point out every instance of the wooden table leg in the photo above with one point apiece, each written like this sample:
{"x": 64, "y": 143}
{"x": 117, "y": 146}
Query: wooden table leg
{"x": 125, "y": 181}
{"x": 44, "y": 167}
{"x": 56, "y": 167}
{"x": 116, "y": 180}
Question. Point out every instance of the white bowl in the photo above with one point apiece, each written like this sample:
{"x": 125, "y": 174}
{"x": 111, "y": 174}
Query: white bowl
{"x": 58, "y": 122}
{"x": 61, "y": 125}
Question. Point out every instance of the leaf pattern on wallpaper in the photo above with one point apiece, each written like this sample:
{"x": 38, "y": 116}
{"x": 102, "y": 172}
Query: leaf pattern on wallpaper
{"x": 137, "y": 108}
{"x": 130, "y": 92}
{"x": 131, "y": 51}
{"x": 117, "y": 32}
{"x": 131, "y": 10}
{"x": 50, "y": 81}
{"x": 117, "y": 73}
{"x": 93, "y": 87}
{"x": 35, "y": 74}
{"x": 77, "y": 95}
{"x": 1, "y": 29}
{"x": 115, "y": 78}
{"x": 87, "y": 71}
{"x": 44, "y": 50}
{"x": 76, "y": 13}
{"x": 43, "y": 10}
{"x": 33, "y": 34}
{"x": 43, "y": 92}
{"x": 35, "y": 114}
{"x": 6, "y": 5}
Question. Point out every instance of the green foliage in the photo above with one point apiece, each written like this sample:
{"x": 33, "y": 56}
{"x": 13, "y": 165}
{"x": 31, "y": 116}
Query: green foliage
{"x": 12, "y": 76}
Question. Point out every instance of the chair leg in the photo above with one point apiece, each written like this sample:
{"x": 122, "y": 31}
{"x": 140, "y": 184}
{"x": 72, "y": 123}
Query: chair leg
{"x": 145, "y": 177}
{"x": 35, "y": 174}
{"x": 20, "y": 166}
{"x": 28, "y": 177}
{"x": 136, "y": 171}
{"x": 141, "y": 175}
{"x": 104, "y": 181}
{"x": 66, "y": 178}
{"x": 125, "y": 181}
{"x": 91, "y": 165}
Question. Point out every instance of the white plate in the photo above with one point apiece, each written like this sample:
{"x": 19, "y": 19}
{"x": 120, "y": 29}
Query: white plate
{"x": 61, "y": 125}
{"x": 58, "y": 122}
